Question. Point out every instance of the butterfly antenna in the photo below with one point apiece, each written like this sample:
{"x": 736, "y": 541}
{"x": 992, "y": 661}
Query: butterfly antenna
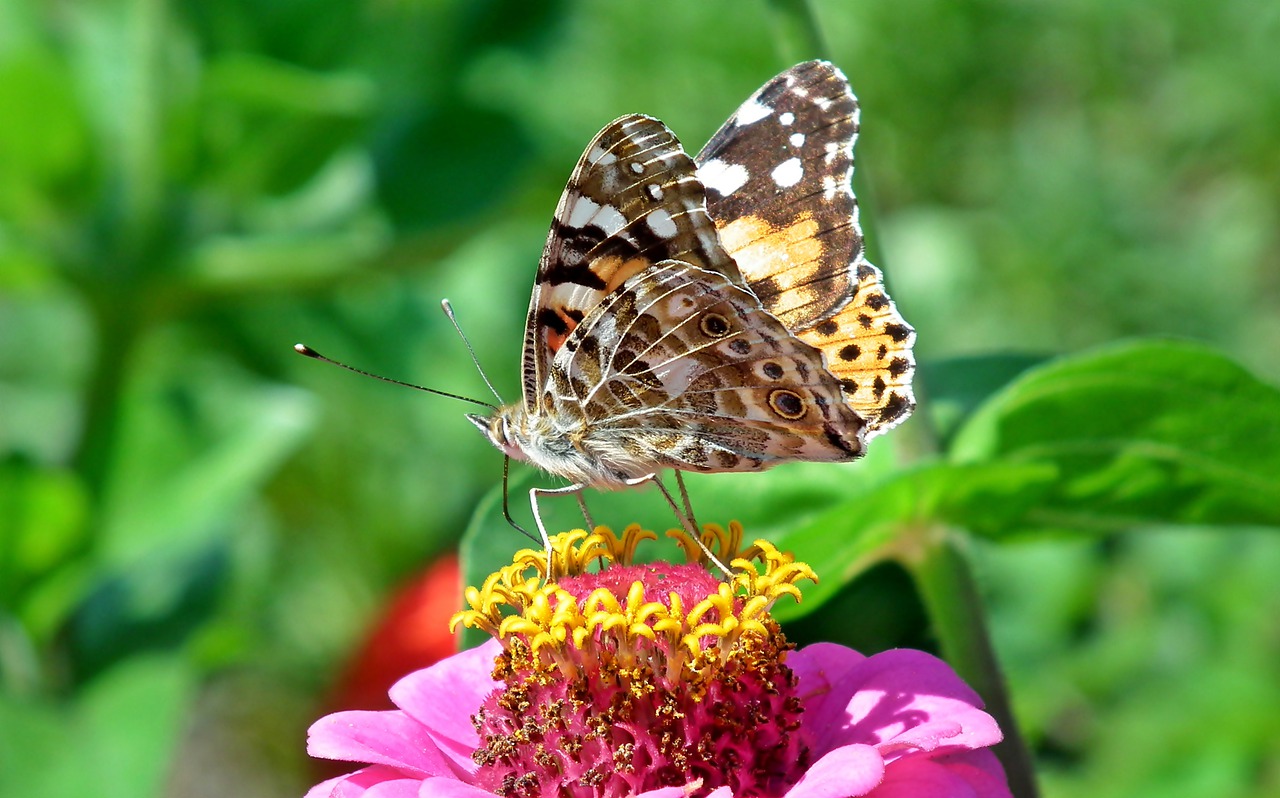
{"x": 448, "y": 311}
{"x": 303, "y": 349}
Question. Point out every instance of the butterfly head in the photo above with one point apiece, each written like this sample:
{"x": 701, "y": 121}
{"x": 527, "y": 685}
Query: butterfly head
{"x": 502, "y": 429}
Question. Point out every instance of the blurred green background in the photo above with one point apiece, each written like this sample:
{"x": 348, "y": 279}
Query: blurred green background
{"x": 199, "y": 525}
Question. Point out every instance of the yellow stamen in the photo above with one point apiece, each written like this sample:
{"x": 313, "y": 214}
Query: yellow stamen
{"x": 520, "y": 603}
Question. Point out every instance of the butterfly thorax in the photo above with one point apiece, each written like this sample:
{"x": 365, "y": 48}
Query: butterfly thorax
{"x": 560, "y": 444}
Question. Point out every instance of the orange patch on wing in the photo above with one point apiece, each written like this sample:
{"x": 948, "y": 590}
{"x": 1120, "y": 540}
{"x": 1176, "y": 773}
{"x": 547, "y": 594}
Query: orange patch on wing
{"x": 553, "y": 337}
{"x": 555, "y": 340}
{"x": 764, "y": 251}
{"x": 615, "y": 271}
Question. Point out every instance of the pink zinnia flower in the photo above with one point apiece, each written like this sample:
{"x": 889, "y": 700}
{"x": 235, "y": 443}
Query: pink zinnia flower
{"x": 605, "y": 685}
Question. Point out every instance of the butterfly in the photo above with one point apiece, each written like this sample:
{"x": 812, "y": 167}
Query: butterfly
{"x": 708, "y": 314}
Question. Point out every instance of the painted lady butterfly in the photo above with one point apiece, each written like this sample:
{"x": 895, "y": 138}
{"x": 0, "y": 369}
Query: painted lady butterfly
{"x": 709, "y": 314}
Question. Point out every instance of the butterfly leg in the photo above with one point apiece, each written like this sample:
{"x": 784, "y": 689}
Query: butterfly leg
{"x": 537, "y": 514}
{"x": 686, "y": 520}
{"x": 586, "y": 514}
{"x": 684, "y": 499}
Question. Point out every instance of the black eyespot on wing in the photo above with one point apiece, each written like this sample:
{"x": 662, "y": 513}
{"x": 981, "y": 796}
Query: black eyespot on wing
{"x": 788, "y": 404}
{"x": 713, "y": 325}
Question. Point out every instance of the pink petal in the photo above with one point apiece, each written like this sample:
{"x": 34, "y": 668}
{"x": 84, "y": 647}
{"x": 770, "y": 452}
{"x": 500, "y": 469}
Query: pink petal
{"x": 450, "y": 788}
{"x": 943, "y": 777}
{"x": 378, "y": 738}
{"x": 848, "y": 771}
{"x": 400, "y": 788}
{"x": 821, "y": 667}
{"x": 325, "y": 788}
{"x": 902, "y": 700}
{"x": 444, "y": 696}
{"x": 980, "y": 769}
{"x": 371, "y": 782}
{"x": 681, "y": 792}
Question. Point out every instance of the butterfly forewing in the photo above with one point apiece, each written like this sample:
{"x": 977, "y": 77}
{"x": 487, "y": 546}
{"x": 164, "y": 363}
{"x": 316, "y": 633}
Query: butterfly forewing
{"x": 778, "y": 188}
{"x": 777, "y": 177}
{"x": 632, "y": 200}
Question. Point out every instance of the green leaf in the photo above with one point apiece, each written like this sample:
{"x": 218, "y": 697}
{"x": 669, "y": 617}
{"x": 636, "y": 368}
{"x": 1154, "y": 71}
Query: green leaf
{"x": 115, "y": 741}
{"x": 45, "y": 512}
{"x": 959, "y": 385}
{"x": 1141, "y": 433}
{"x": 194, "y": 453}
{"x": 879, "y": 521}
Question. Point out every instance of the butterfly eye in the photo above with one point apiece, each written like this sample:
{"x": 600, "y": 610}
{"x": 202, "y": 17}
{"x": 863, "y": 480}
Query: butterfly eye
{"x": 713, "y": 325}
{"x": 788, "y": 404}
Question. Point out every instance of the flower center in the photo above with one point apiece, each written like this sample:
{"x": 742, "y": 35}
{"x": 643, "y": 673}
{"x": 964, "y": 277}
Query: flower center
{"x": 612, "y": 687}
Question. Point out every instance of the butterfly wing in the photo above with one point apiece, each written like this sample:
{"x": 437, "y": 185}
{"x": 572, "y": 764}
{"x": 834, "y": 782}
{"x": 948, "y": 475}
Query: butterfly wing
{"x": 681, "y": 368}
{"x": 777, "y": 176}
{"x": 632, "y": 200}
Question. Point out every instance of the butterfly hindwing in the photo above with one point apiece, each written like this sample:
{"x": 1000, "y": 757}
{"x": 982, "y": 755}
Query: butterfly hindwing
{"x": 632, "y": 200}
{"x": 778, "y": 188}
{"x": 680, "y": 367}
{"x": 867, "y": 347}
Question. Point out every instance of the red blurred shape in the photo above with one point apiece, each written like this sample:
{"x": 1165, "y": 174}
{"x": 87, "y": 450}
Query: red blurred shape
{"x": 412, "y": 633}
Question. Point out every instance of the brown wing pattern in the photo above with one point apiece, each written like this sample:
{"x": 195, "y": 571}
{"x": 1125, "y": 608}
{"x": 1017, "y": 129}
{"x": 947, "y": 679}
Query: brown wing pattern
{"x": 632, "y": 200}
{"x": 681, "y": 368}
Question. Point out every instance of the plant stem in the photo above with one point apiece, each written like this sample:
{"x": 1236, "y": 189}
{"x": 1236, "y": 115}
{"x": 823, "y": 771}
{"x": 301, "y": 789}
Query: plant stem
{"x": 945, "y": 581}
{"x": 798, "y": 36}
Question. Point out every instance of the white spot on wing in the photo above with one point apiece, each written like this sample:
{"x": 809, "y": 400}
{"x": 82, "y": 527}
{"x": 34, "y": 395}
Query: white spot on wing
{"x": 723, "y": 178}
{"x": 581, "y": 210}
{"x": 654, "y": 191}
{"x": 788, "y": 173}
{"x": 637, "y": 167}
{"x": 751, "y": 111}
{"x": 599, "y": 155}
{"x": 609, "y": 219}
{"x": 787, "y": 118}
{"x": 797, "y": 140}
{"x": 606, "y": 217}
{"x": 829, "y": 187}
{"x": 661, "y": 223}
